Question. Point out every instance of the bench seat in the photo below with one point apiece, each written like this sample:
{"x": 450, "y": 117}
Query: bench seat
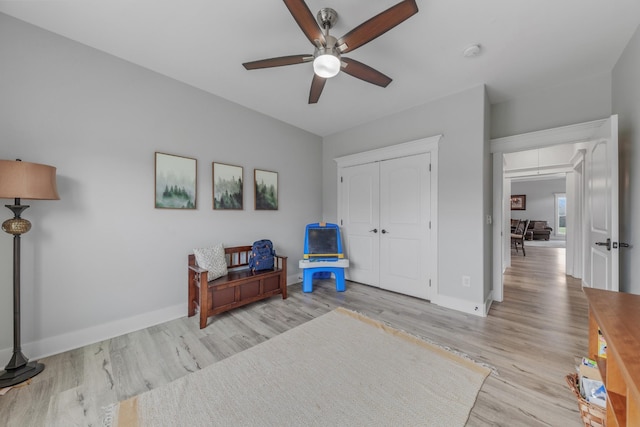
{"x": 239, "y": 287}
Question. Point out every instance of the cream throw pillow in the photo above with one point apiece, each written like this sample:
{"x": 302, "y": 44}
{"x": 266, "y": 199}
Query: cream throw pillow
{"x": 213, "y": 260}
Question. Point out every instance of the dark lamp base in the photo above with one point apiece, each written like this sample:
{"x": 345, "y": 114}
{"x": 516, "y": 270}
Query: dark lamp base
{"x": 21, "y": 374}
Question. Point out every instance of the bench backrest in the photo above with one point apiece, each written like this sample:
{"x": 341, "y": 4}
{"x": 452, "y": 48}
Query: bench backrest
{"x": 237, "y": 257}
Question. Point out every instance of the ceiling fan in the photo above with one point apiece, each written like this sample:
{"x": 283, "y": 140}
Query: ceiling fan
{"x": 327, "y": 57}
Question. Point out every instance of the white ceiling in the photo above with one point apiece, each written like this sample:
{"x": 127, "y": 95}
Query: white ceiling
{"x": 526, "y": 45}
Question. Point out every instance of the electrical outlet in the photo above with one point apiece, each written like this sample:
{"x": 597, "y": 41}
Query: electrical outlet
{"x": 466, "y": 281}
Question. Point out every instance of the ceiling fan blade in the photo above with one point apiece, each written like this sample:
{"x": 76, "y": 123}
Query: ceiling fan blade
{"x": 305, "y": 19}
{"x": 364, "y": 72}
{"x": 377, "y": 25}
{"x": 317, "y": 84}
{"x": 278, "y": 62}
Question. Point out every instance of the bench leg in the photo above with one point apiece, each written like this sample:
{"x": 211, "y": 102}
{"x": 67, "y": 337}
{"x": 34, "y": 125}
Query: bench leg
{"x": 203, "y": 299}
{"x": 283, "y": 277}
{"x": 191, "y": 308}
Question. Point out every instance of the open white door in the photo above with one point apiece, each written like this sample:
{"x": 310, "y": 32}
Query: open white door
{"x": 601, "y": 246}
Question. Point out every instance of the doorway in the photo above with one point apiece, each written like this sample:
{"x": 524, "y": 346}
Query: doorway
{"x": 584, "y": 133}
{"x": 545, "y": 209}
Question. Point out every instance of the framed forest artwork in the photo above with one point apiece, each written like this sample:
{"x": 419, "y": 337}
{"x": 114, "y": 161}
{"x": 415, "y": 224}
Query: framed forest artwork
{"x": 266, "y": 190}
{"x": 175, "y": 182}
{"x": 227, "y": 187}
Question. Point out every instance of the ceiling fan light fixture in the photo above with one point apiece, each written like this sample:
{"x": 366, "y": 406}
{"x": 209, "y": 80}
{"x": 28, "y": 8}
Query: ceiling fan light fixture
{"x": 326, "y": 64}
{"x": 327, "y": 60}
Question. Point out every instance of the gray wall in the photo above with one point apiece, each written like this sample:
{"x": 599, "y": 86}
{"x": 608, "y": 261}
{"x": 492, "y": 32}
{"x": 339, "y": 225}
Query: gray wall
{"x": 569, "y": 103}
{"x": 462, "y": 206}
{"x": 626, "y": 103}
{"x": 102, "y": 260}
{"x": 588, "y": 99}
{"x": 540, "y": 199}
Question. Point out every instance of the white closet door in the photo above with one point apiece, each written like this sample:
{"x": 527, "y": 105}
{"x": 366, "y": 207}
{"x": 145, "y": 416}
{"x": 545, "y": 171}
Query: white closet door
{"x": 385, "y": 224}
{"x": 405, "y": 215}
{"x": 360, "y": 222}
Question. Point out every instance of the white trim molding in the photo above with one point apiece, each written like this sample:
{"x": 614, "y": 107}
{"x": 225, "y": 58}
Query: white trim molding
{"x": 580, "y": 132}
{"x": 419, "y": 146}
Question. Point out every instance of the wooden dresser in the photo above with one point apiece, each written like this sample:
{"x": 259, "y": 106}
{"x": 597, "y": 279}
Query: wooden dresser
{"x": 617, "y": 316}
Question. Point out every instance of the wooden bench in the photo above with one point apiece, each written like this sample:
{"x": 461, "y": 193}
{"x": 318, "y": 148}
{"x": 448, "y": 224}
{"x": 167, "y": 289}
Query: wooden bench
{"x": 239, "y": 287}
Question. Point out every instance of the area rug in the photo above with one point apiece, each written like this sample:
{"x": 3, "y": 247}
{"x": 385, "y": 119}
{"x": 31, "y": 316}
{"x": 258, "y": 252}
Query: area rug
{"x": 340, "y": 369}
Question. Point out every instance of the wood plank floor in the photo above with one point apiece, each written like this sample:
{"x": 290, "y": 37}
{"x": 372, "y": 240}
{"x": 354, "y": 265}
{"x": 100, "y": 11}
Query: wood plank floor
{"x": 532, "y": 340}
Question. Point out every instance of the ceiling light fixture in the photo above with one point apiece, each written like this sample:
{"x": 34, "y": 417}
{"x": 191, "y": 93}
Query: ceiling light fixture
{"x": 326, "y": 63}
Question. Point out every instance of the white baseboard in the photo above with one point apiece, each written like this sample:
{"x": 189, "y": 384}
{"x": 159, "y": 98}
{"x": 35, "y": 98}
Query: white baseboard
{"x": 292, "y": 279}
{"x": 487, "y": 304}
{"x": 68, "y": 341}
{"x": 463, "y": 305}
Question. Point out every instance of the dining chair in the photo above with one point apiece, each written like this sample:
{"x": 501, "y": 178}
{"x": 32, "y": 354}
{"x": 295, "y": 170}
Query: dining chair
{"x": 517, "y": 237}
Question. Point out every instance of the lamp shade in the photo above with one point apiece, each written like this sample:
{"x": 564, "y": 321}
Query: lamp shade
{"x": 24, "y": 180}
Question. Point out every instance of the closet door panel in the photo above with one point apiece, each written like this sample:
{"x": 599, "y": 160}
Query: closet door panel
{"x": 360, "y": 222}
{"x": 405, "y": 214}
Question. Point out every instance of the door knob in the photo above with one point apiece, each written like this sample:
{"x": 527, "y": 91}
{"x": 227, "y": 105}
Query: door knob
{"x": 375, "y": 230}
{"x": 620, "y": 244}
{"x": 607, "y": 244}
{"x": 384, "y": 231}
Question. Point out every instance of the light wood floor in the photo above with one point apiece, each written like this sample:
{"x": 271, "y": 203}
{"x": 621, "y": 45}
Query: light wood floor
{"x": 531, "y": 339}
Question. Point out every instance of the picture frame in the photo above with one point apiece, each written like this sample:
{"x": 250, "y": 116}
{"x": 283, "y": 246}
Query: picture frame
{"x": 518, "y": 202}
{"x": 228, "y": 186}
{"x": 265, "y": 190}
{"x": 175, "y": 181}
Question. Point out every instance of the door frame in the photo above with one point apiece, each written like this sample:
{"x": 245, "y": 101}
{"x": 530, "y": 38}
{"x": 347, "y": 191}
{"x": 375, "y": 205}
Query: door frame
{"x": 577, "y": 133}
{"x": 419, "y": 146}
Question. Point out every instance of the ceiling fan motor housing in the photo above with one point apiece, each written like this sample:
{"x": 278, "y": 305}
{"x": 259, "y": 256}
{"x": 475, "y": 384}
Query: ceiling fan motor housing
{"x": 329, "y": 48}
{"x": 327, "y": 18}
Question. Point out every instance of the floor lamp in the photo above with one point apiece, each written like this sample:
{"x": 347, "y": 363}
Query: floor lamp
{"x": 22, "y": 180}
